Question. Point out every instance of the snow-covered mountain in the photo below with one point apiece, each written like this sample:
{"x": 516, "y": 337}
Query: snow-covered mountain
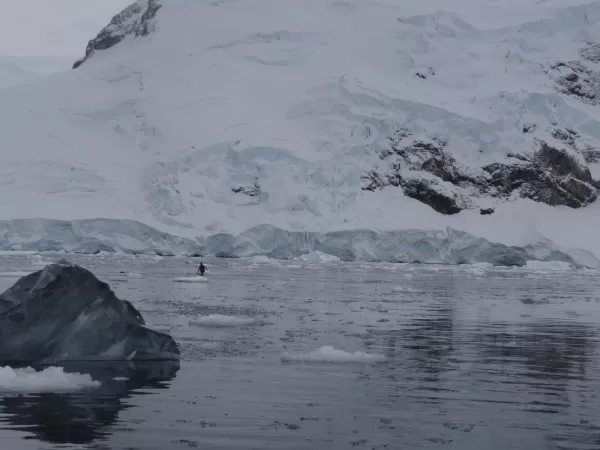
{"x": 459, "y": 131}
{"x": 20, "y": 70}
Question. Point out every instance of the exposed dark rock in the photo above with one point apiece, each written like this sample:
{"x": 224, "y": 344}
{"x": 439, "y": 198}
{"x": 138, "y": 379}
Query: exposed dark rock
{"x": 252, "y": 191}
{"x": 552, "y": 175}
{"x": 567, "y": 136}
{"x": 486, "y": 211}
{"x": 425, "y": 191}
{"x": 591, "y": 155}
{"x": 517, "y": 156}
{"x": 426, "y": 155}
{"x": 591, "y": 53}
{"x": 135, "y": 20}
{"x": 64, "y": 313}
{"x": 529, "y": 128}
{"x": 575, "y": 79}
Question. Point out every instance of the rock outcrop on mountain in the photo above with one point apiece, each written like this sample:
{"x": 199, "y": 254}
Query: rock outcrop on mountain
{"x": 64, "y": 313}
{"x": 426, "y": 171}
{"x": 136, "y": 20}
{"x": 580, "y": 78}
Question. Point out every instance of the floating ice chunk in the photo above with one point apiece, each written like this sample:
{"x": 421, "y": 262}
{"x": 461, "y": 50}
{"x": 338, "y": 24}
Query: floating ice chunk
{"x": 52, "y": 379}
{"x": 319, "y": 257}
{"x": 135, "y": 275}
{"x": 549, "y": 265}
{"x": 262, "y": 259}
{"x": 209, "y": 345}
{"x": 196, "y": 279}
{"x": 120, "y": 378}
{"x": 475, "y": 271}
{"x": 404, "y": 289}
{"x": 218, "y": 320}
{"x": 330, "y": 354}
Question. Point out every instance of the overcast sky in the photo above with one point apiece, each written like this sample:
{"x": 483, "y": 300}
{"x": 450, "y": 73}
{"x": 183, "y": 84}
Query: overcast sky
{"x": 53, "y": 27}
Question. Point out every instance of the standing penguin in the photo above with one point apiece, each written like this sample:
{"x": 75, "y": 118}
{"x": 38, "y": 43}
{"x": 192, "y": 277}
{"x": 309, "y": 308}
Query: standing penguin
{"x": 201, "y": 268}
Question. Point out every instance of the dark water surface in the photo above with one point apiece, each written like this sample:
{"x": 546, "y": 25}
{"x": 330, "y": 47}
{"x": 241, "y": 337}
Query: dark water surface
{"x": 492, "y": 359}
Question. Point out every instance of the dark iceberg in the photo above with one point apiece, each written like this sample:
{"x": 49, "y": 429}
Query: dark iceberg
{"x": 64, "y": 313}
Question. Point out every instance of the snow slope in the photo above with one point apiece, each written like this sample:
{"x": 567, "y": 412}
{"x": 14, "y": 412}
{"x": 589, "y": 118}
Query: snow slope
{"x": 217, "y": 117}
{"x": 58, "y": 28}
{"x": 19, "y": 70}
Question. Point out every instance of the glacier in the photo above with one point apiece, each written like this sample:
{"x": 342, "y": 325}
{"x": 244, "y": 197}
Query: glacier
{"x": 447, "y": 246}
{"x": 184, "y": 130}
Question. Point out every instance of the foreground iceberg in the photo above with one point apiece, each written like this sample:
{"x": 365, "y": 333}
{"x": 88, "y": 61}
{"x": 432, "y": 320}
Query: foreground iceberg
{"x": 64, "y": 313}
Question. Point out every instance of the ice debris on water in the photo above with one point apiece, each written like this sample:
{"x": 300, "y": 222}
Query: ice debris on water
{"x": 51, "y": 379}
{"x": 218, "y": 320}
{"x": 195, "y": 279}
{"x": 330, "y": 354}
{"x": 319, "y": 257}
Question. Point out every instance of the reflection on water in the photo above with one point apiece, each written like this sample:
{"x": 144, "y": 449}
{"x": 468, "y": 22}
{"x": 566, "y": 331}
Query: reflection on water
{"x": 84, "y": 417}
{"x": 502, "y": 360}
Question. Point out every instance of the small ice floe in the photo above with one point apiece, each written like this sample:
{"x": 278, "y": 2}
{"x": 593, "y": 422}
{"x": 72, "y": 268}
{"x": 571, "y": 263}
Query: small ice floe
{"x": 218, "y": 320}
{"x": 194, "y": 279}
{"x": 51, "y": 379}
{"x": 319, "y": 257}
{"x": 329, "y": 354}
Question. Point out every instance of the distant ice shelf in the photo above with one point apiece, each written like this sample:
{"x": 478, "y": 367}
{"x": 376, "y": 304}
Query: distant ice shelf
{"x": 447, "y": 246}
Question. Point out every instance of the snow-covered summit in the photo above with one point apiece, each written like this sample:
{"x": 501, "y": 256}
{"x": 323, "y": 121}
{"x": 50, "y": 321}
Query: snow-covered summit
{"x": 206, "y": 117}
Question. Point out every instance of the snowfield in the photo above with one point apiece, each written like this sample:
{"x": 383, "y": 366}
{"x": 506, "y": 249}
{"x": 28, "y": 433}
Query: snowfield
{"x": 201, "y": 132}
{"x": 20, "y": 70}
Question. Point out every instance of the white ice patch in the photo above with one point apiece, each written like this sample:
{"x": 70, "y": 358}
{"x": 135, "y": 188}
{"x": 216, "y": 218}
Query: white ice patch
{"x": 218, "y": 320}
{"x": 549, "y": 265}
{"x": 330, "y": 354}
{"x": 52, "y": 379}
{"x": 209, "y": 345}
{"x": 197, "y": 279}
{"x": 404, "y": 289}
{"x": 135, "y": 275}
{"x": 319, "y": 257}
{"x": 262, "y": 259}
{"x": 482, "y": 265}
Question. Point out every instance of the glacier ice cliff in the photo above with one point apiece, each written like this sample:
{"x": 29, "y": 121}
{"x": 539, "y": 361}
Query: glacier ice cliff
{"x": 445, "y": 246}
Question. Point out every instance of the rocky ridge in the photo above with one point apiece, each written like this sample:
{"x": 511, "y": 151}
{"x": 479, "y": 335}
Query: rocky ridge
{"x": 425, "y": 169}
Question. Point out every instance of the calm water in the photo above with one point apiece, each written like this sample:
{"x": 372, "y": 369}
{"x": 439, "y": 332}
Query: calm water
{"x": 504, "y": 359}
